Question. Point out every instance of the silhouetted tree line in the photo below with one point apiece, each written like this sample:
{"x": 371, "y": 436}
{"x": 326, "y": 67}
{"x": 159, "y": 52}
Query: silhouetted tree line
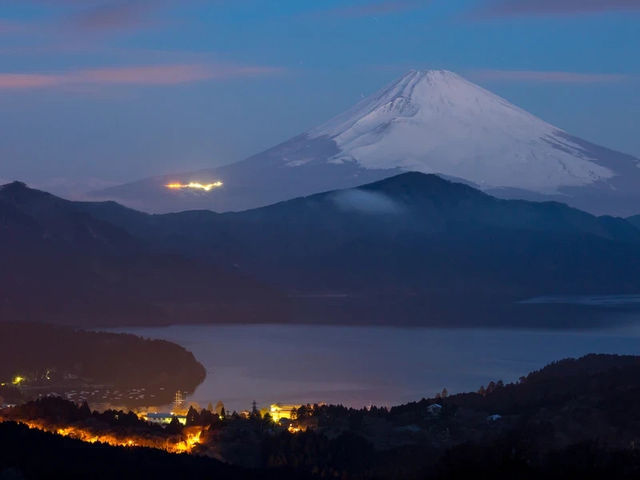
{"x": 58, "y": 411}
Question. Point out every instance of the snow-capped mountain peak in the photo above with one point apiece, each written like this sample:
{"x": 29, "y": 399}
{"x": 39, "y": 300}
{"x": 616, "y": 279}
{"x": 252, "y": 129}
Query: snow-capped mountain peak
{"x": 427, "y": 121}
{"x": 437, "y": 122}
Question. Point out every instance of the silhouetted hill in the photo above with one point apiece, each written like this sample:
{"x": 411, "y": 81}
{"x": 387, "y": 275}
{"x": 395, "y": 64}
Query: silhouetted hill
{"x": 32, "y": 454}
{"x": 406, "y": 249}
{"x": 61, "y": 264}
{"x": 635, "y": 221}
{"x": 42, "y": 217}
{"x": 576, "y": 418}
{"x": 54, "y": 358}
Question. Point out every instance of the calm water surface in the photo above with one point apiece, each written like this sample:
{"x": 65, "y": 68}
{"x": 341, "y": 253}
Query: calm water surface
{"x": 359, "y": 366}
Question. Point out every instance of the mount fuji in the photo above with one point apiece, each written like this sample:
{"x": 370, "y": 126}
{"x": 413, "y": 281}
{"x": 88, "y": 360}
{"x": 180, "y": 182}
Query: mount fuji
{"x": 427, "y": 121}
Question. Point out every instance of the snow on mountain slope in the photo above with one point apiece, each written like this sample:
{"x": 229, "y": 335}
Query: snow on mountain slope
{"x": 427, "y": 121}
{"x": 437, "y": 122}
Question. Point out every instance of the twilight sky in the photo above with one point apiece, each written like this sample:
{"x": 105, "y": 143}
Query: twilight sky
{"x": 96, "y": 92}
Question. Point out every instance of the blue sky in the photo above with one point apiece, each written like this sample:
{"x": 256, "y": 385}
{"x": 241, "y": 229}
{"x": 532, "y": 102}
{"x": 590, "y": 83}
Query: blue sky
{"x": 94, "y": 92}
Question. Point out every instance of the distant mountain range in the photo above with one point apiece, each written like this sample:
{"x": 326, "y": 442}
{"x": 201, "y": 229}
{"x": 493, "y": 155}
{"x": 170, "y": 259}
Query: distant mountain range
{"x": 427, "y": 121}
{"x": 411, "y": 249}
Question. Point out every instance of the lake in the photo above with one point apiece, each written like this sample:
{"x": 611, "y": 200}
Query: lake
{"x": 359, "y": 366}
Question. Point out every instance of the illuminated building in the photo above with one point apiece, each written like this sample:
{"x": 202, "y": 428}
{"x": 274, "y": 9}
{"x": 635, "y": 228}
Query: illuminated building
{"x": 279, "y": 411}
{"x": 164, "y": 418}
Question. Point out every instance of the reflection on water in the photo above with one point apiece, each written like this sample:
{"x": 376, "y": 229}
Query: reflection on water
{"x": 359, "y": 366}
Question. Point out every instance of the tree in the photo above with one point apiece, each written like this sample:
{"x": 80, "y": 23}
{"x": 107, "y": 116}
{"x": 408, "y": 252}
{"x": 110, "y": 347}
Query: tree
{"x": 193, "y": 417}
{"x": 85, "y": 411}
{"x": 174, "y": 427}
{"x": 302, "y": 412}
{"x": 444, "y": 393}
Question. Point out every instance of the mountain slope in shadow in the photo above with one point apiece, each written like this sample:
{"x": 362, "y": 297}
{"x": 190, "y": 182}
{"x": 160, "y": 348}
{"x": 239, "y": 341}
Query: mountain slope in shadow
{"x": 412, "y": 248}
{"x": 63, "y": 265}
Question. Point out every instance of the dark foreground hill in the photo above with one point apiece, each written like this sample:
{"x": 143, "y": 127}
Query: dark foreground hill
{"x": 28, "y": 454}
{"x": 412, "y": 249}
{"x": 572, "y": 419}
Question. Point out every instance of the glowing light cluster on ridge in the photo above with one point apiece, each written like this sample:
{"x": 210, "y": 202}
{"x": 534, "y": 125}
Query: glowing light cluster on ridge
{"x": 207, "y": 187}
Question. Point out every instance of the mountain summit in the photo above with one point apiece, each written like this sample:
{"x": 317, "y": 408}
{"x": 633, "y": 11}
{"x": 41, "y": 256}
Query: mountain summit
{"x": 437, "y": 122}
{"x": 427, "y": 121}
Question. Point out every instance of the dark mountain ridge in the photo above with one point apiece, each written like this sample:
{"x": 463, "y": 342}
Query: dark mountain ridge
{"x": 394, "y": 223}
{"x": 402, "y": 250}
{"x": 64, "y": 265}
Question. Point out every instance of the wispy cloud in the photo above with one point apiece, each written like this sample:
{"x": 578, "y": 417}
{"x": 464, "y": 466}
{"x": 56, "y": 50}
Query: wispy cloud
{"x": 547, "y": 76}
{"x": 132, "y": 75}
{"x": 25, "y": 80}
{"x": 99, "y": 16}
{"x": 555, "y": 7}
{"x": 112, "y": 15}
{"x": 380, "y": 8}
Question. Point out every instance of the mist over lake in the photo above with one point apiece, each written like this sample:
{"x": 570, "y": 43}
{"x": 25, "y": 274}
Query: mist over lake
{"x": 359, "y": 366}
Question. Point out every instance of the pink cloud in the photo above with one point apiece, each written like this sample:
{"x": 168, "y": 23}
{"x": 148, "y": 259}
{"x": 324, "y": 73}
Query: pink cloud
{"x": 26, "y": 80}
{"x": 548, "y": 76}
{"x": 145, "y": 75}
{"x": 109, "y": 16}
{"x": 136, "y": 75}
